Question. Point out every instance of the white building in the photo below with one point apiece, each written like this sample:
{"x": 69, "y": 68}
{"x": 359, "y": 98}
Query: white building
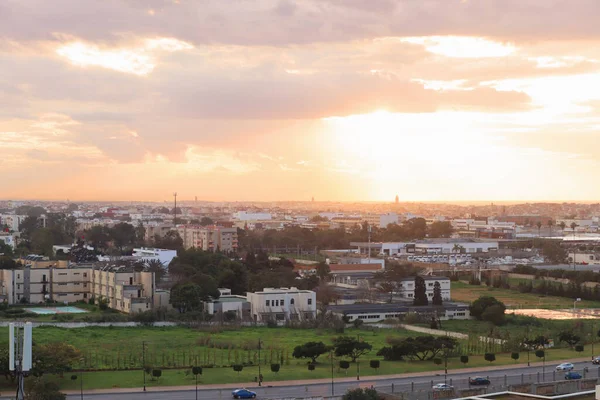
{"x": 377, "y": 312}
{"x": 406, "y": 288}
{"x": 246, "y": 216}
{"x": 282, "y": 304}
{"x": 226, "y": 304}
{"x": 148, "y": 254}
{"x": 13, "y": 221}
{"x": 589, "y": 258}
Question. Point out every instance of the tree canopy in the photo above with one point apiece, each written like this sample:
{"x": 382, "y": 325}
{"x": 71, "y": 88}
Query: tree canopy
{"x": 346, "y": 346}
{"x": 310, "y": 350}
{"x": 487, "y": 308}
{"x": 420, "y": 296}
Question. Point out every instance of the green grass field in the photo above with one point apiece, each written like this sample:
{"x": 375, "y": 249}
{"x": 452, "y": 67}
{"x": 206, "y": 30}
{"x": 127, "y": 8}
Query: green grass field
{"x": 180, "y": 346}
{"x": 464, "y": 292}
{"x": 297, "y": 370}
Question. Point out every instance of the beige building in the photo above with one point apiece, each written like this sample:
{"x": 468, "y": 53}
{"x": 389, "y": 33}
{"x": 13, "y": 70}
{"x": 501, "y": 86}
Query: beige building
{"x": 209, "y": 238}
{"x": 125, "y": 290}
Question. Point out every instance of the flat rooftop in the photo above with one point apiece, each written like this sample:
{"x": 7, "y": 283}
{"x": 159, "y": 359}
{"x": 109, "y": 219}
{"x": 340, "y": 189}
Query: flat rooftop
{"x": 394, "y": 307}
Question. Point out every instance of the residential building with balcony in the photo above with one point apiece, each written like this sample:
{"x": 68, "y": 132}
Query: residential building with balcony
{"x": 209, "y": 238}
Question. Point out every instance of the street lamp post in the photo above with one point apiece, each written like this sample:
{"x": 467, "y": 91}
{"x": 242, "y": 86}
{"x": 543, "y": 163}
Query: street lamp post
{"x": 593, "y": 339}
{"x": 259, "y": 374}
{"x": 445, "y": 365}
{"x": 144, "y": 362}
{"x": 574, "y": 304}
{"x": 331, "y": 358}
{"x": 81, "y": 378}
{"x": 358, "y": 362}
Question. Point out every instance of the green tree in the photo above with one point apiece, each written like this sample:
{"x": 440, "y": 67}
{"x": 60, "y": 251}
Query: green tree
{"x": 464, "y": 359}
{"x": 350, "y": 347}
{"x": 205, "y": 221}
{"x": 310, "y": 350}
{"x": 186, "y": 297}
{"x": 437, "y": 294}
{"x": 156, "y": 373}
{"x": 491, "y": 357}
{"x": 41, "y": 389}
{"x": 375, "y": 364}
{"x": 323, "y": 271}
{"x": 5, "y": 250}
{"x": 157, "y": 267}
{"x": 238, "y": 368}
{"x": 171, "y": 241}
{"x": 568, "y": 337}
{"x": 515, "y": 356}
{"x": 123, "y": 235}
{"x": 388, "y": 288}
{"x": 8, "y": 263}
{"x": 539, "y": 226}
{"x": 440, "y": 229}
{"x": 275, "y": 368}
{"x": 494, "y": 314}
{"x": 420, "y": 296}
{"x": 361, "y": 394}
{"x": 54, "y": 358}
{"x": 479, "y": 306}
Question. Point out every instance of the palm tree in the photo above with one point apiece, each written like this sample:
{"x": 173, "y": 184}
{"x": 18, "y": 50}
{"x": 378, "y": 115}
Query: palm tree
{"x": 457, "y": 248}
{"x": 573, "y": 226}
{"x": 539, "y": 226}
{"x": 562, "y": 225}
{"x": 550, "y": 224}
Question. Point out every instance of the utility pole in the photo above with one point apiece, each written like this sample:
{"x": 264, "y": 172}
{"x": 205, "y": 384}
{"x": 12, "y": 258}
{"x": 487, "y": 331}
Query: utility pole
{"x": 358, "y": 363}
{"x": 593, "y": 339}
{"x": 445, "y": 364}
{"x": 175, "y": 209}
{"x": 369, "y": 233}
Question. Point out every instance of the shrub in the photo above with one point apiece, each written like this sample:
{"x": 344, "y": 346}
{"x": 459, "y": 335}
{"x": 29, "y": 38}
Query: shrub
{"x": 464, "y": 359}
{"x": 197, "y": 370}
{"x": 357, "y": 323}
{"x": 157, "y": 373}
{"x": 361, "y": 394}
{"x": 275, "y": 368}
{"x": 238, "y": 368}
{"x": 579, "y": 348}
{"x": 515, "y": 356}
{"x": 375, "y": 364}
{"x": 344, "y": 364}
{"x": 540, "y": 353}
{"x": 437, "y": 361}
{"x": 491, "y": 357}
{"x": 311, "y": 366}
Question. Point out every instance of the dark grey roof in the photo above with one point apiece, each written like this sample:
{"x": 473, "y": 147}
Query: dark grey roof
{"x": 392, "y": 308}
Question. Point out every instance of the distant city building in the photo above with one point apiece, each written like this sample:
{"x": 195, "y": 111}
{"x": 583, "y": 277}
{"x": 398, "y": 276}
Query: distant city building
{"x": 164, "y": 256}
{"x": 406, "y": 289}
{"x": 377, "y": 312}
{"x": 430, "y": 246}
{"x": 125, "y": 289}
{"x": 209, "y": 238}
{"x": 13, "y": 221}
{"x": 246, "y": 216}
{"x": 282, "y": 304}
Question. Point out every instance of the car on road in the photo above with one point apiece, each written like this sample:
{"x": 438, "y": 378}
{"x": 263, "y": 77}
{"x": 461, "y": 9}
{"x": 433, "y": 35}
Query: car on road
{"x": 479, "y": 380}
{"x": 565, "y": 367}
{"x": 596, "y": 361}
{"x": 573, "y": 375}
{"x": 442, "y": 387}
{"x": 243, "y": 394}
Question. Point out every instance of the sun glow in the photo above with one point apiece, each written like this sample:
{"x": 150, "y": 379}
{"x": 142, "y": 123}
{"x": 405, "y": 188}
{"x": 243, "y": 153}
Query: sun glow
{"x": 462, "y": 46}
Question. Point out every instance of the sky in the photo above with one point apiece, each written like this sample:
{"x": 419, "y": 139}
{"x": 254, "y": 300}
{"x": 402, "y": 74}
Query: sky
{"x": 432, "y": 100}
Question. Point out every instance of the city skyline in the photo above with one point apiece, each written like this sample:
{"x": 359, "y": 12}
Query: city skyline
{"x": 436, "y": 101}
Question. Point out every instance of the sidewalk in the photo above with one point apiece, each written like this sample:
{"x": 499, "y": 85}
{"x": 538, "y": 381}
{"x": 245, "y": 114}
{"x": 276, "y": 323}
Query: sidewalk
{"x": 370, "y": 379}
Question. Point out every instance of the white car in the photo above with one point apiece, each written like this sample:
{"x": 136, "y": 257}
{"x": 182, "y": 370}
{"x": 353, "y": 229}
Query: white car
{"x": 442, "y": 386}
{"x": 565, "y": 367}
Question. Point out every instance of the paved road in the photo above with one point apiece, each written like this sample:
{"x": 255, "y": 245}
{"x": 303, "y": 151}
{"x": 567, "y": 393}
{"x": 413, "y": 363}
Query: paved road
{"x": 499, "y": 378}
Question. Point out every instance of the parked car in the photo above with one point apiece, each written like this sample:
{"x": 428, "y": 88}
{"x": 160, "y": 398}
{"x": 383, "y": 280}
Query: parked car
{"x": 243, "y": 394}
{"x": 442, "y": 386}
{"x": 573, "y": 375}
{"x": 565, "y": 367}
{"x": 596, "y": 361}
{"x": 479, "y": 380}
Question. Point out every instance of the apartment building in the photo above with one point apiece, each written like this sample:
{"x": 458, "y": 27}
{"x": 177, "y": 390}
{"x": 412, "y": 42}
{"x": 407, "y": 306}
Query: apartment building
{"x": 281, "y": 304}
{"x": 406, "y": 288}
{"x": 147, "y": 254}
{"x": 13, "y": 221}
{"x": 209, "y": 238}
{"x": 125, "y": 289}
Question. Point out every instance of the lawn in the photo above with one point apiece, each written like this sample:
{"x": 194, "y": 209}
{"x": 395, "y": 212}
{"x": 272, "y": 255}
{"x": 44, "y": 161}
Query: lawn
{"x": 464, "y": 292}
{"x": 297, "y": 370}
{"x": 175, "y": 349}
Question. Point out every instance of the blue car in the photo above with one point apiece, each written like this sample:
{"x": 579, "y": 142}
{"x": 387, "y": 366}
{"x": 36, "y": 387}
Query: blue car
{"x": 478, "y": 380}
{"x": 573, "y": 375}
{"x": 243, "y": 394}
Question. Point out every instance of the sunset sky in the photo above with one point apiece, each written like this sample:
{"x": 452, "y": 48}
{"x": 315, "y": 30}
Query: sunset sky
{"x": 289, "y": 99}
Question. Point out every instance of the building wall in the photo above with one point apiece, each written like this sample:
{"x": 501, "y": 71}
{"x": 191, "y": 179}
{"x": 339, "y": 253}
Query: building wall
{"x": 209, "y": 238}
{"x": 407, "y": 288}
{"x": 125, "y": 291}
{"x": 282, "y": 304}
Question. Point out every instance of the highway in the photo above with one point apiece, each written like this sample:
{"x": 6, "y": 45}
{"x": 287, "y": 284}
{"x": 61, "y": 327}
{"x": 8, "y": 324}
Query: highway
{"x": 499, "y": 378}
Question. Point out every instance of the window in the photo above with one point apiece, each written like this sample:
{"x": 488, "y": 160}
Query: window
{"x": 267, "y": 303}
{"x": 276, "y": 303}
{"x": 281, "y": 303}
{"x": 18, "y": 276}
{"x": 430, "y": 284}
{"x": 309, "y": 302}
{"x": 292, "y": 302}
{"x": 85, "y": 295}
{"x": 18, "y": 286}
{"x": 85, "y": 274}
{"x": 62, "y": 273}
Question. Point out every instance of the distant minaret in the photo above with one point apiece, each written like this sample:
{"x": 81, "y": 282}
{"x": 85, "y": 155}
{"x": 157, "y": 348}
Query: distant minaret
{"x": 196, "y": 199}
{"x": 397, "y": 199}
{"x": 313, "y": 199}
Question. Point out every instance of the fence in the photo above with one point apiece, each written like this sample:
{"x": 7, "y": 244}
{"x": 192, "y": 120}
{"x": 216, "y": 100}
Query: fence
{"x": 544, "y": 383}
